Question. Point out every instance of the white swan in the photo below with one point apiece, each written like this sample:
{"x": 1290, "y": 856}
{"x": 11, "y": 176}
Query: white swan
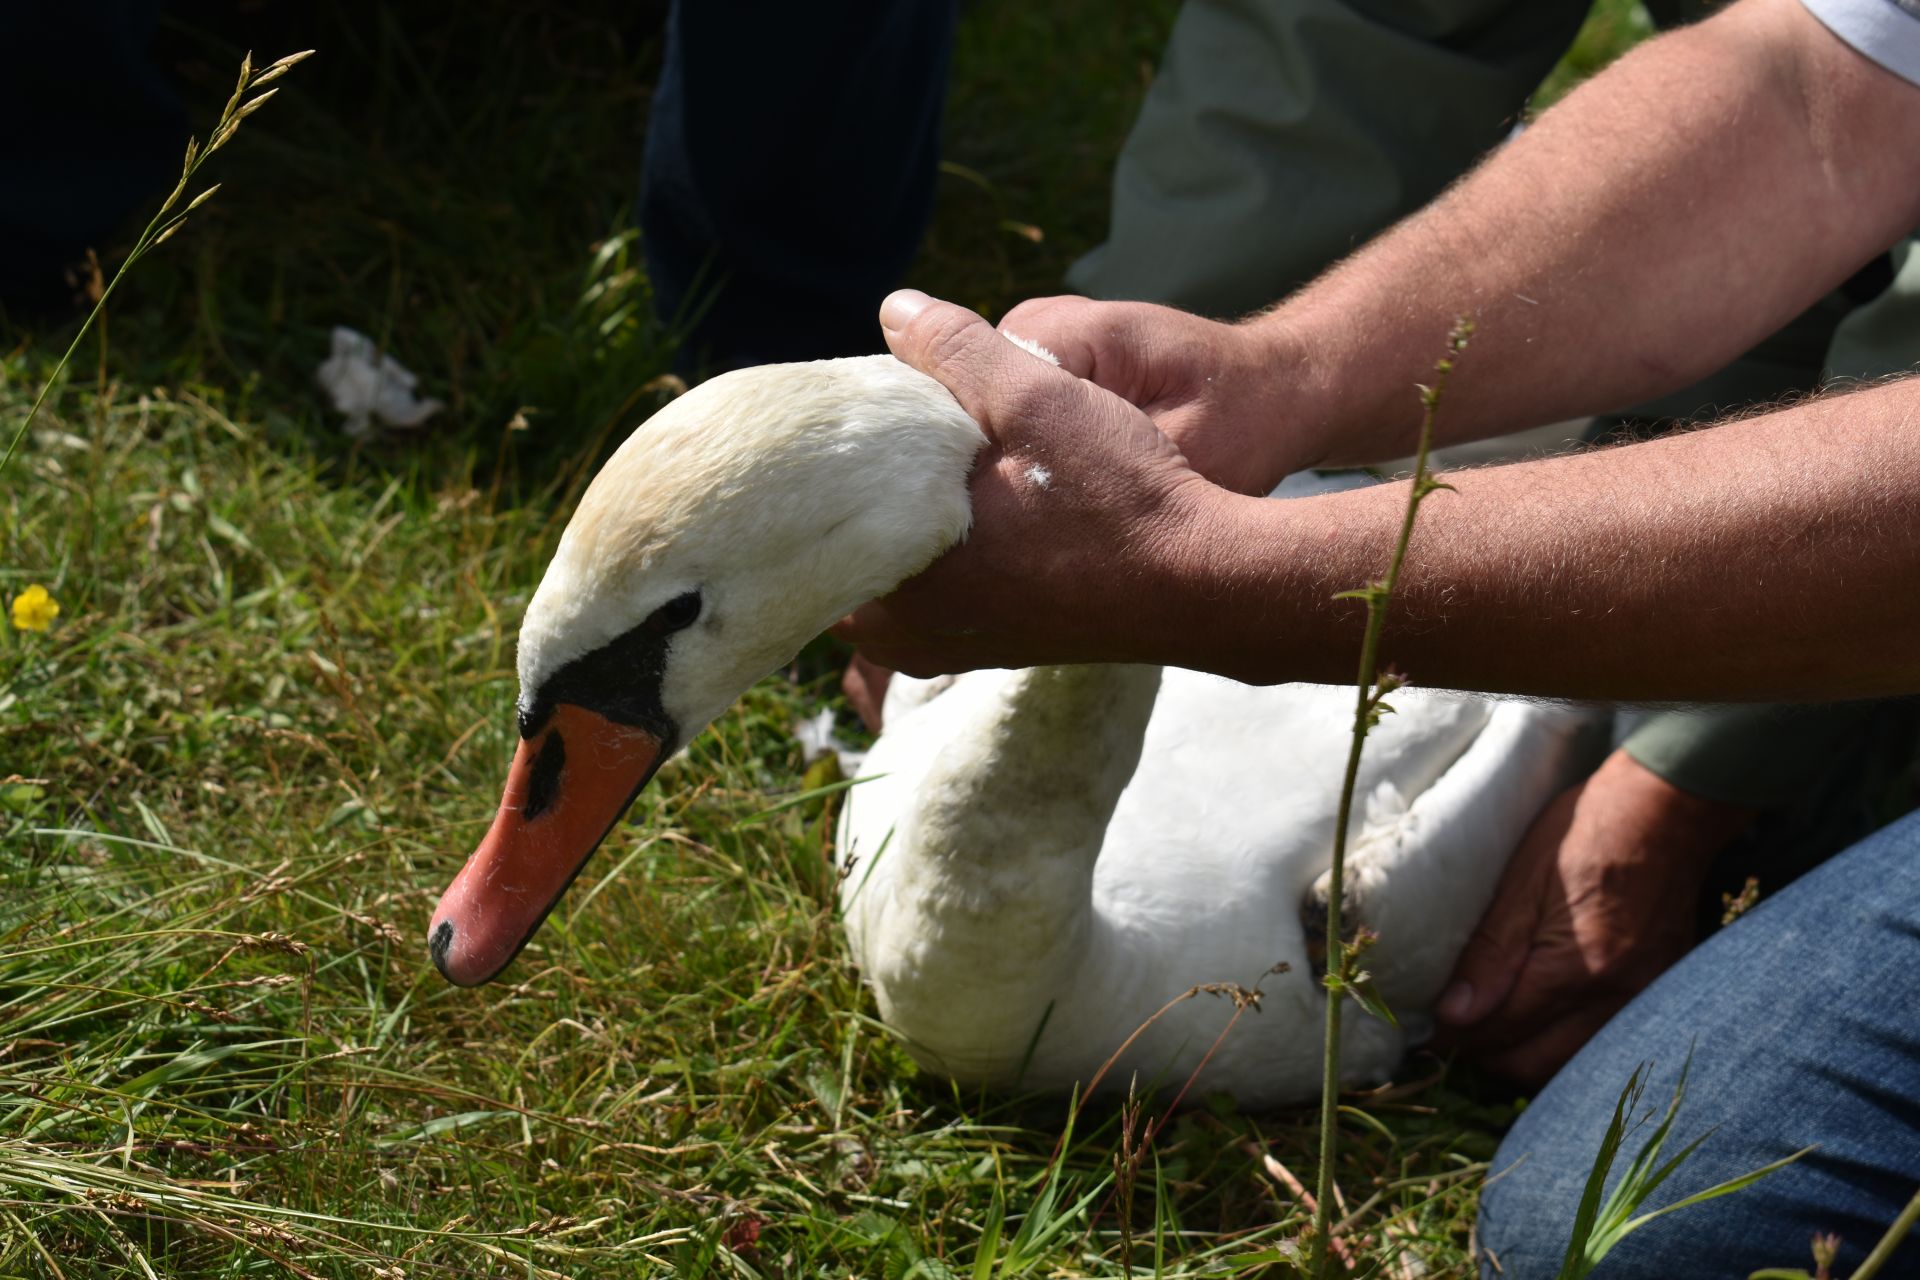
{"x": 1036, "y": 860}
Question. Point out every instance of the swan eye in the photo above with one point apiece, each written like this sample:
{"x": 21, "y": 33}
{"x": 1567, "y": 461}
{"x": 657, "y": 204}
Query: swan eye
{"x": 677, "y": 613}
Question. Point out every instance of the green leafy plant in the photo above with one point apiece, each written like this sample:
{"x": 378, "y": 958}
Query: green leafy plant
{"x": 1605, "y": 1219}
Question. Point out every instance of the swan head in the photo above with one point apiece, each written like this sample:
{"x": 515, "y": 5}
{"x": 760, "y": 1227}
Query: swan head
{"x": 727, "y": 531}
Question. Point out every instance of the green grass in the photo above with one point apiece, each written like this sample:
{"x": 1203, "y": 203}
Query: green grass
{"x": 274, "y": 715}
{"x": 270, "y": 724}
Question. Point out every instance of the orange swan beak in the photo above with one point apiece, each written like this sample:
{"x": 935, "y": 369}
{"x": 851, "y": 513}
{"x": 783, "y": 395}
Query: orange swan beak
{"x": 568, "y": 785}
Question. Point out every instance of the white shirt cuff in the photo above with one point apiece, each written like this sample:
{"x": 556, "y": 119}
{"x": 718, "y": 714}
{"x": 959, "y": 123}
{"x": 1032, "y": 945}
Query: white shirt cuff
{"x": 1885, "y": 31}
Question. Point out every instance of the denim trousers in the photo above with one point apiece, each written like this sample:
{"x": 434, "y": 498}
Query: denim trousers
{"x": 1802, "y": 1020}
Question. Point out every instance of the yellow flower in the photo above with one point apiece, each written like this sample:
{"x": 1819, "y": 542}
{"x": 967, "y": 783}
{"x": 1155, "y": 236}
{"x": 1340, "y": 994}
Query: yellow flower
{"x": 34, "y": 609}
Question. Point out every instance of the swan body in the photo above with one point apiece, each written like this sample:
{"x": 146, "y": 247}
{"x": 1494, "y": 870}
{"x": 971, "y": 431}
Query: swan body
{"x": 1034, "y": 861}
{"x": 1037, "y": 861}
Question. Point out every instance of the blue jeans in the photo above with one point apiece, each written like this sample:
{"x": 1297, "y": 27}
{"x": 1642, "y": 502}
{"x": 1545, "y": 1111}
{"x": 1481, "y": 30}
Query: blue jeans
{"x": 1804, "y": 1022}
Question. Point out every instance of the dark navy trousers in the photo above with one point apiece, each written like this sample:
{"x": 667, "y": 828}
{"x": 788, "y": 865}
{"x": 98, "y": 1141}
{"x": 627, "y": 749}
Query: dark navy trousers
{"x": 791, "y": 157}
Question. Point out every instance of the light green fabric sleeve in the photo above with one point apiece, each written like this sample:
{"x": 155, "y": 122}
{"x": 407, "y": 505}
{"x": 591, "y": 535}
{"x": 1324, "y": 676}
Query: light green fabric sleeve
{"x": 1280, "y": 134}
{"x": 1759, "y": 757}
{"x": 1883, "y": 337}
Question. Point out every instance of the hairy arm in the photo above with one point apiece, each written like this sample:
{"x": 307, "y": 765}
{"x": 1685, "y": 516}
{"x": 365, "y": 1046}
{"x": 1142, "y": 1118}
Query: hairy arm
{"x": 1771, "y": 558}
{"x": 1667, "y": 215}
{"x": 1767, "y": 559}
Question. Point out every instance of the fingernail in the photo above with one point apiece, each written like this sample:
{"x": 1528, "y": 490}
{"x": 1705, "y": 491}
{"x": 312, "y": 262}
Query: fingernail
{"x": 1456, "y": 1003}
{"x": 901, "y": 306}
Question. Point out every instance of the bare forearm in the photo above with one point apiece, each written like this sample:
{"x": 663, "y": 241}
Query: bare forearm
{"x": 1767, "y": 559}
{"x": 1665, "y": 217}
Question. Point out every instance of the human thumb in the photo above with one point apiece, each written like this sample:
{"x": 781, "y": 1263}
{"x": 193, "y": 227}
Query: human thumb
{"x": 961, "y": 351}
{"x": 1480, "y": 982}
{"x": 1496, "y": 954}
{"x": 1490, "y": 965}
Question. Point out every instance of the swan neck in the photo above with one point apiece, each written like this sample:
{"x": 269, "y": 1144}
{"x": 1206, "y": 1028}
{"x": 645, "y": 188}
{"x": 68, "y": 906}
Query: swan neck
{"x": 990, "y": 874}
{"x": 1037, "y": 777}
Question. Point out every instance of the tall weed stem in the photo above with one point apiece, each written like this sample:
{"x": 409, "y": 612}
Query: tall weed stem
{"x": 1891, "y": 1241}
{"x": 1372, "y": 689}
{"x": 165, "y": 222}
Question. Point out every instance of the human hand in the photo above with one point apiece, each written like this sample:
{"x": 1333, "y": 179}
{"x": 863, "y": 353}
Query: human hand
{"x": 1225, "y": 394}
{"x": 1086, "y": 519}
{"x": 1597, "y": 902}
